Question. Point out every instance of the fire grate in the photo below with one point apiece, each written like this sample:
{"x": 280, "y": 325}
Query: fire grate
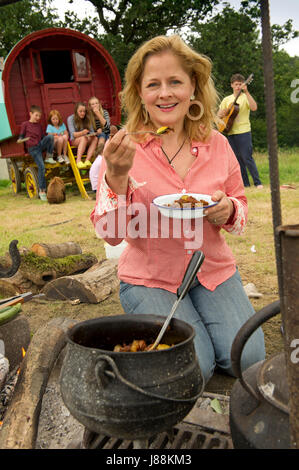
{"x": 182, "y": 436}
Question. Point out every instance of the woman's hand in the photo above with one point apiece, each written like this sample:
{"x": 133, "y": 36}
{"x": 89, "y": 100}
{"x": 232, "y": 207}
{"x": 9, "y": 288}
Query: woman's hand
{"x": 119, "y": 153}
{"x": 219, "y": 214}
{"x": 99, "y": 131}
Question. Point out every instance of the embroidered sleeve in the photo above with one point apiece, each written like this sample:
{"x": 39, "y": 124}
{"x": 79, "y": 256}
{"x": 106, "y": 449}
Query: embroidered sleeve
{"x": 108, "y": 206}
{"x": 108, "y": 200}
{"x": 236, "y": 226}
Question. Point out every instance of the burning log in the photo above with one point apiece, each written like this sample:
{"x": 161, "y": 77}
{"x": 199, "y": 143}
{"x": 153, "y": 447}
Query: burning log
{"x": 20, "y": 423}
{"x": 93, "y": 286}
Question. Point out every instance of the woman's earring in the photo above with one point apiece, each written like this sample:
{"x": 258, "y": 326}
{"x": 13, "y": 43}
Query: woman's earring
{"x": 194, "y": 102}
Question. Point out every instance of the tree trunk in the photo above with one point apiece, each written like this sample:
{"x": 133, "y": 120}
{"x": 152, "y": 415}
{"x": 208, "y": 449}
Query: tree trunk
{"x": 93, "y": 286}
{"x": 20, "y": 424}
{"x": 42, "y": 269}
{"x": 56, "y": 250}
{"x": 35, "y": 271}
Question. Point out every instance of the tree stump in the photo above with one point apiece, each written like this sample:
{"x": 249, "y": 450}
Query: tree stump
{"x": 20, "y": 423}
{"x": 56, "y": 250}
{"x": 93, "y": 286}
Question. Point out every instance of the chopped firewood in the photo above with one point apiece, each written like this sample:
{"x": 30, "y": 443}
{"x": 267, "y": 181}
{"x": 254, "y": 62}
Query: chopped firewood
{"x": 35, "y": 271}
{"x": 56, "y": 250}
{"x": 92, "y": 286}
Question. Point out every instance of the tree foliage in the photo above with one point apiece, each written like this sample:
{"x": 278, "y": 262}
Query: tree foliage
{"x": 232, "y": 41}
{"x": 128, "y": 23}
{"x": 22, "y": 18}
{"x": 137, "y": 20}
{"x": 4, "y": 3}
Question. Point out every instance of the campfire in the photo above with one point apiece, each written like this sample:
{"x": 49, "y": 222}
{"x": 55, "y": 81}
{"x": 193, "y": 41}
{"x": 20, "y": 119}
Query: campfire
{"x": 36, "y": 417}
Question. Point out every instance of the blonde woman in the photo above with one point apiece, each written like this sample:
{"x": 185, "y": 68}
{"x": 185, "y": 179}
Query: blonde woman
{"x": 169, "y": 84}
{"x": 100, "y": 120}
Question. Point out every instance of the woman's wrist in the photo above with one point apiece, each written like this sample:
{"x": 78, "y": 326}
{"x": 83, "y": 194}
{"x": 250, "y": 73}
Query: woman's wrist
{"x": 118, "y": 183}
{"x": 232, "y": 210}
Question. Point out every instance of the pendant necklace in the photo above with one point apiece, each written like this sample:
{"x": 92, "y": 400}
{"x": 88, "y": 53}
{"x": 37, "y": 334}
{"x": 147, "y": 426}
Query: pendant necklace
{"x": 171, "y": 160}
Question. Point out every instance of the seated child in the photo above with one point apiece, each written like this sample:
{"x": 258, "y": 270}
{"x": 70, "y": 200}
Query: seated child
{"x": 95, "y": 168}
{"x": 36, "y": 143}
{"x": 56, "y": 127}
{"x": 79, "y": 126}
{"x": 100, "y": 120}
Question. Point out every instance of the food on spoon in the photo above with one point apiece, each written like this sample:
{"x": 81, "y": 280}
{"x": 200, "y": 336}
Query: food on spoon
{"x": 164, "y": 130}
{"x": 137, "y": 345}
{"x": 188, "y": 201}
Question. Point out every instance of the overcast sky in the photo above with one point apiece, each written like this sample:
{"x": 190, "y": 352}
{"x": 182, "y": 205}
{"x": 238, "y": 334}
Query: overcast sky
{"x": 280, "y": 11}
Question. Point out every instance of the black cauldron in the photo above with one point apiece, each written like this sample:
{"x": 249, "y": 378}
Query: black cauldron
{"x": 130, "y": 395}
{"x": 259, "y": 413}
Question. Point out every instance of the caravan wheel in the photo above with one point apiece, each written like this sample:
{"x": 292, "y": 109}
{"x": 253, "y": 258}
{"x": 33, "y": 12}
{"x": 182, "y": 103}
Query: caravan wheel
{"x": 15, "y": 176}
{"x": 31, "y": 182}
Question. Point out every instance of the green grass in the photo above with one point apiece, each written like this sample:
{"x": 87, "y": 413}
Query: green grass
{"x": 4, "y": 183}
{"x": 288, "y": 161}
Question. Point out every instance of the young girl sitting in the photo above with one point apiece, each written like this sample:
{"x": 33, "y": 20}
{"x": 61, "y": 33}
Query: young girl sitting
{"x": 56, "y": 127}
{"x": 100, "y": 120}
{"x": 80, "y": 127}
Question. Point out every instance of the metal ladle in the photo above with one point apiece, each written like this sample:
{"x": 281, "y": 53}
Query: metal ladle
{"x": 191, "y": 271}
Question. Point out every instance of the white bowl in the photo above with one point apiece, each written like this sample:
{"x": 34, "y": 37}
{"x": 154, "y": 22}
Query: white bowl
{"x": 182, "y": 213}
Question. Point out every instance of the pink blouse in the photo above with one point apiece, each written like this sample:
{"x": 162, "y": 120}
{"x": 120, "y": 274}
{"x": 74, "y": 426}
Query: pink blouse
{"x": 160, "y": 249}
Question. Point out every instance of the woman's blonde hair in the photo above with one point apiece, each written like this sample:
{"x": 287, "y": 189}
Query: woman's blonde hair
{"x": 52, "y": 113}
{"x": 91, "y": 113}
{"x": 196, "y": 65}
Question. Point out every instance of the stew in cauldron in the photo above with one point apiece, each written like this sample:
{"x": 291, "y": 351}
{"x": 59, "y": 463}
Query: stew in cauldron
{"x": 138, "y": 345}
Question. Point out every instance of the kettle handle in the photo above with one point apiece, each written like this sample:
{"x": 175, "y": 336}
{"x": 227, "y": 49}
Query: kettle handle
{"x": 243, "y": 335}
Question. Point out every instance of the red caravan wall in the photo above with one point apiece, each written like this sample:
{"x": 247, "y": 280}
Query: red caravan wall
{"x": 20, "y": 89}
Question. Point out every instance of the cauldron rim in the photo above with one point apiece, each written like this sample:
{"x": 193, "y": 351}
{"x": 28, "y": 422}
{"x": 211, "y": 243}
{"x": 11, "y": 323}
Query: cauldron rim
{"x": 140, "y": 316}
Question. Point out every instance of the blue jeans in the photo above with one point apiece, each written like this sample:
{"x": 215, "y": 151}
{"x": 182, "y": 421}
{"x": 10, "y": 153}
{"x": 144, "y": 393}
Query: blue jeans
{"x": 46, "y": 144}
{"x": 215, "y": 316}
{"x": 103, "y": 135}
{"x": 242, "y": 147}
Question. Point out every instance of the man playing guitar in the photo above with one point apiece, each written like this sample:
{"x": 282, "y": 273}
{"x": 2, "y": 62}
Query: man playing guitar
{"x": 239, "y": 132}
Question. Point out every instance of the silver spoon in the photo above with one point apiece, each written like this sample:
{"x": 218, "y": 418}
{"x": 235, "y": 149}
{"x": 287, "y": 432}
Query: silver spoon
{"x": 191, "y": 271}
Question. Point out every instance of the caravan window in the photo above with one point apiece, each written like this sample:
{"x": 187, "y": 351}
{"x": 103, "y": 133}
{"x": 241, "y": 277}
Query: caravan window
{"x": 60, "y": 66}
{"x": 81, "y": 66}
{"x": 57, "y": 66}
{"x": 36, "y": 66}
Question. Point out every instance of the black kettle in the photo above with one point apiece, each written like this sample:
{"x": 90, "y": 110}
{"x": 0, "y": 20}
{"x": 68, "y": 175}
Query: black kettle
{"x": 259, "y": 413}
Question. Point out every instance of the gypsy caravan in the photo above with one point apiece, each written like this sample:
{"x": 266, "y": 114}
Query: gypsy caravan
{"x": 53, "y": 68}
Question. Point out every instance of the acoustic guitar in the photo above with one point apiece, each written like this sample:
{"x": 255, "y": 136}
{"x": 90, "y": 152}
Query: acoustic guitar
{"x": 227, "y": 121}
